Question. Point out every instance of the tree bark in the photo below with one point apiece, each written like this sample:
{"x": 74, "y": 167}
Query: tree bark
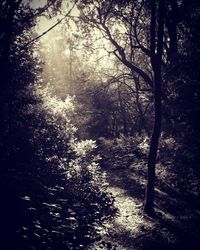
{"x": 156, "y": 61}
{"x": 149, "y": 198}
{"x": 139, "y": 107}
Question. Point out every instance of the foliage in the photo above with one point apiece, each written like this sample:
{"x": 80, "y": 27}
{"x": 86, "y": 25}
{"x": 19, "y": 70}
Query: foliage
{"x": 56, "y": 194}
{"x": 59, "y": 186}
{"x": 52, "y": 198}
{"x": 183, "y": 94}
{"x": 122, "y": 151}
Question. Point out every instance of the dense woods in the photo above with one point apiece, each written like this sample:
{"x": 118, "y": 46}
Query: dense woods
{"x": 100, "y": 129}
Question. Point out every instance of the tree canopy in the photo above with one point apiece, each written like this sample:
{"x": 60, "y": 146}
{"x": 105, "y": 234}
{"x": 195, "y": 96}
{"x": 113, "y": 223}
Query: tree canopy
{"x": 94, "y": 92}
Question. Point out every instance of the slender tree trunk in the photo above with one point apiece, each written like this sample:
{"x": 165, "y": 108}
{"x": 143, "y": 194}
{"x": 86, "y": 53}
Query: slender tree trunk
{"x": 156, "y": 61}
{"x": 149, "y": 199}
{"x": 139, "y": 107}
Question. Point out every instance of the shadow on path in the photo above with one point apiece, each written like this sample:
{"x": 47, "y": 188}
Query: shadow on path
{"x": 177, "y": 226}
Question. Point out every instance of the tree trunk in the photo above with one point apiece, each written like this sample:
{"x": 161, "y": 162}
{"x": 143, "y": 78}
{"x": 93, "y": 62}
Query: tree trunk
{"x": 149, "y": 199}
{"x": 156, "y": 61}
{"x": 139, "y": 107}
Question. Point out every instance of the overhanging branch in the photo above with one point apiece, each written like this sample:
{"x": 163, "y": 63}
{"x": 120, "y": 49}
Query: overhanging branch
{"x": 52, "y": 27}
{"x": 123, "y": 59}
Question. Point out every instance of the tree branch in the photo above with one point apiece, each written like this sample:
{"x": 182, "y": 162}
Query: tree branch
{"x": 142, "y": 47}
{"x": 52, "y": 27}
{"x": 123, "y": 59}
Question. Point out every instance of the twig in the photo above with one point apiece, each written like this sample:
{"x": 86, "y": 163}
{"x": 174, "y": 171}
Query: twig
{"x": 52, "y": 27}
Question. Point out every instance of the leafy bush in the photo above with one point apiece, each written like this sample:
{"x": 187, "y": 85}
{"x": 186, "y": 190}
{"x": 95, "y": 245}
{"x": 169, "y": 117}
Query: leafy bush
{"x": 121, "y": 152}
{"x": 58, "y": 185}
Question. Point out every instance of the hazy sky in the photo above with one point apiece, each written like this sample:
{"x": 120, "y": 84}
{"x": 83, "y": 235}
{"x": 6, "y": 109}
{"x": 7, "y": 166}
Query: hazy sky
{"x": 51, "y": 42}
{"x": 37, "y": 3}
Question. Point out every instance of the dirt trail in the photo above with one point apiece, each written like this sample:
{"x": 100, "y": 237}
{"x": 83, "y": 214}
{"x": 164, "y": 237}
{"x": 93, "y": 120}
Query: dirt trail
{"x": 129, "y": 224}
{"x": 132, "y": 230}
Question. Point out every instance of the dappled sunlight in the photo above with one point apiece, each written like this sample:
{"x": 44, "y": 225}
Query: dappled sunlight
{"x": 131, "y": 229}
{"x": 129, "y": 214}
{"x": 130, "y": 225}
{"x": 100, "y": 129}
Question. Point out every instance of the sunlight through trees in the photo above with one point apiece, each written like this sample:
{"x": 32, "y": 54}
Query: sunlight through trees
{"x": 99, "y": 136}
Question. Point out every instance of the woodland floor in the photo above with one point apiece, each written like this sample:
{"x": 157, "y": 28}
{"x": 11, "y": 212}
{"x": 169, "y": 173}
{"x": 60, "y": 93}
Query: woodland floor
{"x": 177, "y": 225}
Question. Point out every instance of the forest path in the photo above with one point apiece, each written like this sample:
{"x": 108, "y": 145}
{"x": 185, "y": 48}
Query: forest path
{"x": 125, "y": 231}
{"x": 130, "y": 226}
{"x": 131, "y": 229}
